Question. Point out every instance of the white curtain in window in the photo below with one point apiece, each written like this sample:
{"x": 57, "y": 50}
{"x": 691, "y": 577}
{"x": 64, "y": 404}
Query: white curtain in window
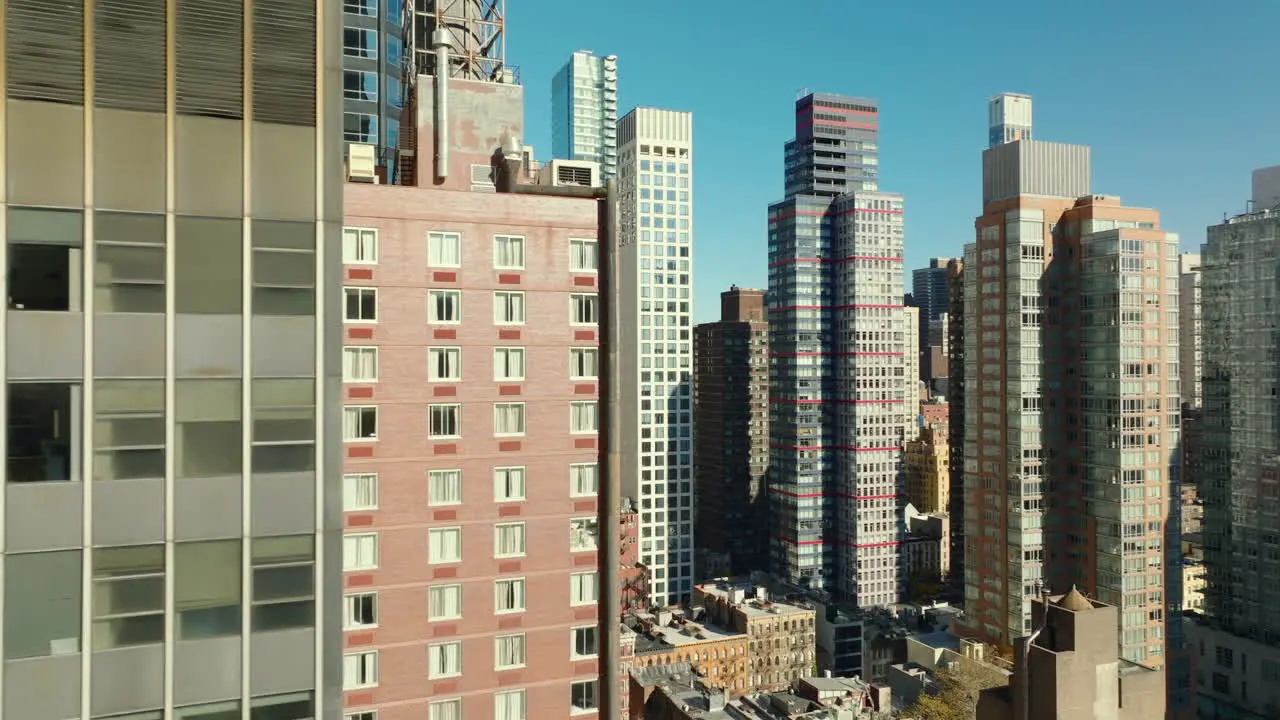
{"x": 445, "y": 249}
{"x": 584, "y": 417}
{"x": 509, "y": 539}
{"x": 509, "y": 595}
{"x": 360, "y": 363}
{"x": 584, "y": 479}
{"x": 509, "y": 650}
{"x": 445, "y": 659}
{"x": 585, "y": 363}
{"x": 445, "y": 601}
{"x": 445, "y": 306}
{"x": 444, "y": 487}
{"x": 359, "y": 491}
{"x": 583, "y": 255}
{"x": 509, "y": 363}
{"x": 508, "y": 483}
{"x": 583, "y": 588}
{"x": 509, "y": 705}
{"x": 445, "y": 710}
{"x": 508, "y": 418}
{"x": 508, "y": 307}
{"x": 446, "y": 363}
{"x": 508, "y": 251}
{"x": 360, "y": 552}
{"x": 445, "y": 544}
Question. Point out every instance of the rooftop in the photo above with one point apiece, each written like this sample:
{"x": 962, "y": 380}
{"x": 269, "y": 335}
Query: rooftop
{"x": 659, "y": 633}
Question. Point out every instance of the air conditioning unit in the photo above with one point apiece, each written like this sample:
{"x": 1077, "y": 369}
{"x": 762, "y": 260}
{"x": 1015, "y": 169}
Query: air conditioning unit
{"x": 569, "y": 173}
{"x": 361, "y": 163}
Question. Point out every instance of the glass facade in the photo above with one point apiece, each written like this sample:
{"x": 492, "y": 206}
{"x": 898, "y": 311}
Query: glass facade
{"x": 584, "y": 111}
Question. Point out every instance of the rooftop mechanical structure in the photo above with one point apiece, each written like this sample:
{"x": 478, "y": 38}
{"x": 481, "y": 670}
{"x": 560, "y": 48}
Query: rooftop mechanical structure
{"x": 475, "y": 31}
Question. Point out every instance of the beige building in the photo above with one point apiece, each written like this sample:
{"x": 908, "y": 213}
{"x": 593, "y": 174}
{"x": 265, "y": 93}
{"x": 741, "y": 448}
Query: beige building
{"x": 929, "y": 470}
{"x": 781, "y": 635}
{"x": 1071, "y": 669}
{"x": 1193, "y": 582}
{"x": 718, "y": 655}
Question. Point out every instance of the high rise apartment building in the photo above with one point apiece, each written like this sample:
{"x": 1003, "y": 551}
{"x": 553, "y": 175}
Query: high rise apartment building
{"x": 170, "y": 511}
{"x": 913, "y": 388}
{"x": 1190, "y": 349}
{"x": 655, "y": 186}
{"x": 837, "y": 340}
{"x": 929, "y": 290}
{"x": 1068, "y": 463}
{"x": 584, "y": 111}
{"x": 1239, "y": 637}
{"x": 731, "y": 450}
{"x": 956, "y": 417}
{"x": 375, "y": 69}
{"x": 472, "y": 429}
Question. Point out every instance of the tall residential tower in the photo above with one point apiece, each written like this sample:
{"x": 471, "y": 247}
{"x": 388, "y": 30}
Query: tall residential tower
{"x": 584, "y": 111}
{"x": 172, "y": 209}
{"x": 836, "y": 330}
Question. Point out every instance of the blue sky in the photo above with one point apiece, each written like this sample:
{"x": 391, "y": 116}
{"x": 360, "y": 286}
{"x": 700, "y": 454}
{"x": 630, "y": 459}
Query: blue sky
{"x": 1177, "y": 98}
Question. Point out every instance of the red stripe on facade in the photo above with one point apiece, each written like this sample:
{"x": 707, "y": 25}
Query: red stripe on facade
{"x": 856, "y": 306}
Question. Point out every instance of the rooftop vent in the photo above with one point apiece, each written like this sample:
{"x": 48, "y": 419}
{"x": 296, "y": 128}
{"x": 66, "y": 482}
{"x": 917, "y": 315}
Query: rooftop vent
{"x": 569, "y": 173}
{"x": 361, "y": 163}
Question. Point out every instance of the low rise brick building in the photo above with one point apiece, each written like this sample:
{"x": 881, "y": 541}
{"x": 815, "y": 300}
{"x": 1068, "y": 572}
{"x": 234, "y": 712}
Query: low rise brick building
{"x": 781, "y": 635}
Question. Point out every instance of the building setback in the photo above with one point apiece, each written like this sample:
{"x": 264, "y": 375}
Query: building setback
{"x": 472, "y": 429}
{"x": 584, "y": 111}
{"x": 171, "y": 499}
{"x": 731, "y": 450}
{"x": 837, "y": 369}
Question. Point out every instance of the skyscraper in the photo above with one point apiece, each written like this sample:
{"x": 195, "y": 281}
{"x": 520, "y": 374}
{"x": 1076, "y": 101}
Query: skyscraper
{"x": 1190, "y": 348}
{"x": 584, "y": 111}
{"x": 655, "y": 186}
{"x": 171, "y": 517}
{"x": 929, "y": 289}
{"x": 1057, "y": 491}
{"x": 375, "y": 69}
{"x": 836, "y": 330}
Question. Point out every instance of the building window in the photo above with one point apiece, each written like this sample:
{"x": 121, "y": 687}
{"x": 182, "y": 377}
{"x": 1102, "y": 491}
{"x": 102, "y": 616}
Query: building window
{"x": 508, "y": 364}
{"x": 508, "y": 484}
{"x": 361, "y": 304}
{"x": 359, "y": 422}
{"x": 444, "y": 249}
{"x": 359, "y": 42}
{"x": 360, "y": 491}
{"x": 584, "y": 255}
{"x": 360, "y": 611}
{"x": 508, "y": 308}
{"x": 508, "y": 419}
{"x": 508, "y": 252}
{"x": 445, "y": 709}
{"x": 444, "y": 487}
{"x": 360, "y": 364}
{"x": 360, "y": 551}
{"x": 362, "y": 715}
{"x": 583, "y": 697}
{"x": 444, "y": 602}
{"x": 367, "y": 8}
{"x": 283, "y": 582}
{"x": 582, "y": 534}
{"x": 584, "y": 309}
{"x": 584, "y": 479}
{"x": 444, "y": 364}
{"x": 584, "y": 363}
{"x": 206, "y": 589}
{"x": 359, "y": 246}
{"x": 128, "y": 596}
{"x": 508, "y": 595}
{"x": 508, "y": 652}
{"x": 584, "y": 642}
{"x": 360, "y": 128}
{"x": 444, "y": 306}
{"x": 360, "y": 85}
{"x": 444, "y": 545}
{"x": 444, "y": 660}
{"x": 360, "y": 670}
{"x": 509, "y": 705}
{"x": 508, "y": 540}
{"x": 446, "y": 421}
{"x": 584, "y": 417}
{"x": 584, "y": 589}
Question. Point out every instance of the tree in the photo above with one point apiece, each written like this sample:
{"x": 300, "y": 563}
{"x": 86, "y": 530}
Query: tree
{"x": 955, "y": 696}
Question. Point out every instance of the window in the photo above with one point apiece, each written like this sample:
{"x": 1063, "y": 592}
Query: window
{"x": 444, "y": 602}
{"x": 360, "y": 670}
{"x": 444, "y": 249}
{"x": 584, "y": 255}
{"x": 445, "y": 709}
{"x": 508, "y": 308}
{"x": 584, "y": 479}
{"x": 359, "y": 422}
{"x": 360, "y": 491}
{"x": 584, "y": 310}
{"x": 360, "y": 364}
{"x": 584, "y": 642}
{"x": 508, "y": 652}
{"x": 584, "y": 363}
{"x": 583, "y": 696}
{"x": 368, "y": 8}
{"x": 509, "y": 705}
{"x": 362, "y": 715}
{"x": 508, "y": 364}
{"x": 359, "y": 245}
{"x": 584, "y": 589}
{"x": 444, "y": 364}
{"x": 361, "y": 304}
{"x": 360, "y": 551}
{"x": 360, "y": 85}
{"x": 508, "y": 419}
{"x": 358, "y": 42}
{"x": 360, "y": 128}
{"x": 360, "y": 611}
{"x": 129, "y": 441}
{"x": 128, "y": 596}
{"x": 508, "y": 484}
{"x": 508, "y": 252}
{"x": 508, "y": 540}
{"x": 444, "y": 659}
{"x": 444, "y": 306}
{"x": 284, "y": 421}
{"x": 284, "y": 585}
{"x": 444, "y": 487}
{"x": 446, "y": 421}
{"x": 583, "y": 417}
{"x": 444, "y": 545}
{"x": 206, "y": 589}
{"x": 582, "y": 534}
{"x": 508, "y": 595}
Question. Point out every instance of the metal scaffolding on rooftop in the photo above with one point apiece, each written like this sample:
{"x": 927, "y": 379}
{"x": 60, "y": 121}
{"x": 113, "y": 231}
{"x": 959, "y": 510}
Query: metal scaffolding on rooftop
{"x": 476, "y": 33}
